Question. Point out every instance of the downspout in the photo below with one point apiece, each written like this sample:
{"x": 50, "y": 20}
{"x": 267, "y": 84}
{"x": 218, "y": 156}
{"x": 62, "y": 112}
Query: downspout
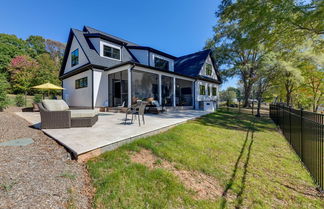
{"x": 92, "y": 100}
{"x": 194, "y": 91}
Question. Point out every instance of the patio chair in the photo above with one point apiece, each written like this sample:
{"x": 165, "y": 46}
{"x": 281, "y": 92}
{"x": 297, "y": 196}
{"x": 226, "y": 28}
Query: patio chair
{"x": 57, "y": 114}
{"x": 119, "y": 108}
{"x": 137, "y": 110}
{"x": 154, "y": 107}
{"x": 132, "y": 110}
{"x": 140, "y": 112}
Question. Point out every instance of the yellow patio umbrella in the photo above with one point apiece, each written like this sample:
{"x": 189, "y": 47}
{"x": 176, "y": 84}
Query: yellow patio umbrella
{"x": 48, "y": 86}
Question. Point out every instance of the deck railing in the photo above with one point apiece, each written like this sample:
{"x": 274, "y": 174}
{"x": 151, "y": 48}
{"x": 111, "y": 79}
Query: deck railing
{"x": 305, "y": 132}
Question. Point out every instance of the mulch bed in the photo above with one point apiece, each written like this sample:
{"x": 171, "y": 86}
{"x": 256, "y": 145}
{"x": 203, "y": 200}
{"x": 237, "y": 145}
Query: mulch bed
{"x": 41, "y": 174}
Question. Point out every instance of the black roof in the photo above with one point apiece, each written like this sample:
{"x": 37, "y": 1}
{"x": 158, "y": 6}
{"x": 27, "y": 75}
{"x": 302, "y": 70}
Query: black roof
{"x": 191, "y": 64}
{"x": 188, "y": 65}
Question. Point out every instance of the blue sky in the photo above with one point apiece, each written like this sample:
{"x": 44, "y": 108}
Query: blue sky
{"x": 177, "y": 27}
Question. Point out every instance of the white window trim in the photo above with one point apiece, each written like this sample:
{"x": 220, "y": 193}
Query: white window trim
{"x": 162, "y": 58}
{"x": 102, "y": 44}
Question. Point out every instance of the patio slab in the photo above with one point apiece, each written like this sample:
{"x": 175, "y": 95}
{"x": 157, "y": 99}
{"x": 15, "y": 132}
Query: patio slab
{"x": 110, "y": 131}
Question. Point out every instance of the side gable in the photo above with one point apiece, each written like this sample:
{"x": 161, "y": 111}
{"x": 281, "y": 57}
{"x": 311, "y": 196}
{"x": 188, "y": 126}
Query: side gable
{"x": 203, "y": 72}
{"x": 73, "y": 44}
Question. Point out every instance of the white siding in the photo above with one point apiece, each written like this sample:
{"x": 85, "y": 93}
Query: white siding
{"x": 206, "y": 97}
{"x": 81, "y": 97}
{"x": 100, "y": 87}
{"x": 203, "y": 69}
{"x": 82, "y": 57}
{"x": 171, "y": 62}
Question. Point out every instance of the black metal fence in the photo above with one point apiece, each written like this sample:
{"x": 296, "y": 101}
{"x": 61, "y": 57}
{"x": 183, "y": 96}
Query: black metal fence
{"x": 305, "y": 132}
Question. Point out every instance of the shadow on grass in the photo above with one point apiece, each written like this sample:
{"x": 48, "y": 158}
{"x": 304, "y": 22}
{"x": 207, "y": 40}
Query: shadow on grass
{"x": 229, "y": 185}
{"x": 234, "y": 121}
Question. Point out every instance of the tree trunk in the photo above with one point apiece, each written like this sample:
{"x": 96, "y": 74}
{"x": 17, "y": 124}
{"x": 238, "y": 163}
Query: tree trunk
{"x": 259, "y": 107}
{"x": 288, "y": 98}
{"x": 247, "y": 93}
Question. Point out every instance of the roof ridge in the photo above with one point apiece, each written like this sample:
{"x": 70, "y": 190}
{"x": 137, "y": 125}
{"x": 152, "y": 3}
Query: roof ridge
{"x": 194, "y": 53}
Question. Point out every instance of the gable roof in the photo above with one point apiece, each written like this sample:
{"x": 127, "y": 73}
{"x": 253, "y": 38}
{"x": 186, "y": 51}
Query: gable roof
{"x": 191, "y": 64}
{"x": 92, "y": 55}
{"x": 188, "y": 65}
{"x": 92, "y": 31}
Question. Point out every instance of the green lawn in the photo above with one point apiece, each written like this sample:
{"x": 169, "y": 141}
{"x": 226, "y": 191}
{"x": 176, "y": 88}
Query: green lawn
{"x": 252, "y": 163}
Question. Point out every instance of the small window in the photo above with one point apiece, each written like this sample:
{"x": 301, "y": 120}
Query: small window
{"x": 208, "y": 90}
{"x": 202, "y": 89}
{"x": 214, "y": 91}
{"x": 81, "y": 83}
{"x": 111, "y": 52}
{"x": 209, "y": 69}
{"x": 75, "y": 57}
{"x": 161, "y": 63}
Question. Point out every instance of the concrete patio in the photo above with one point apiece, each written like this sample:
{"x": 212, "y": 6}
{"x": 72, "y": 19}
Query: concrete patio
{"x": 110, "y": 131}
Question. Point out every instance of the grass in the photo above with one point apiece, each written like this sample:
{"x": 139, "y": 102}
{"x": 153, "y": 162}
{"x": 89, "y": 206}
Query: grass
{"x": 252, "y": 162}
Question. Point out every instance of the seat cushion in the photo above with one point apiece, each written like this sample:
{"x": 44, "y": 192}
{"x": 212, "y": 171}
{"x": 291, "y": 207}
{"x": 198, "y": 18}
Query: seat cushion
{"x": 83, "y": 113}
{"x": 55, "y": 105}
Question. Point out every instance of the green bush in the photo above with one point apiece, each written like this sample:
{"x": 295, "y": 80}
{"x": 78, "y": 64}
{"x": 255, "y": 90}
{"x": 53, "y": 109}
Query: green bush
{"x": 4, "y": 85}
{"x": 20, "y": 100}
{"x": 38, "y": 98}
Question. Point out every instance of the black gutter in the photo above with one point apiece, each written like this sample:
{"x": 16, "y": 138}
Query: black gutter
{"x": 89, "y": 66}
{"x": 153, "y": 50}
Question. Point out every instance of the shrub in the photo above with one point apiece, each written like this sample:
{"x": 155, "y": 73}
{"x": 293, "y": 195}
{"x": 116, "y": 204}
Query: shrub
{"x": 38, "y": 98}
{"x": 20, "y": 101}
{"x": 4, "y": 85}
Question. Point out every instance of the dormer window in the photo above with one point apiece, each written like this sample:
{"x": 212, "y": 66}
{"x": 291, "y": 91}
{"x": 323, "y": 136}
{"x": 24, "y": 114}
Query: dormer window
{"x": 209, "y": 69}
{"x": 75, "y": 57}
{"x": 111, "y": 52}
{"x": 161, "y": 63}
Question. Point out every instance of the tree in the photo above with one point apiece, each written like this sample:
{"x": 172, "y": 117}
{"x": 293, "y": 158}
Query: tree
{"x": 56, "y": 49}
{"x": 267, "y": 74}
{"x": 289, "y": 78}
{"x": 4, "y": 86}
{"x": 284, "y": 23}
{"x": 228, "y": 95}
{"x": 37, "y": 44}
{"x": 48, "y": 70}
{"x": 22, "y": 72}
{"x": 312, "y": 69}
{"x": 10, "y": 46}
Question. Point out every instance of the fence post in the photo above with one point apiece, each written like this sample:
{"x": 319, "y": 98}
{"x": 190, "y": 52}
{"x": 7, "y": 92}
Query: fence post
{"x": 290, "y": 124}
{"x": 301, "y": 134}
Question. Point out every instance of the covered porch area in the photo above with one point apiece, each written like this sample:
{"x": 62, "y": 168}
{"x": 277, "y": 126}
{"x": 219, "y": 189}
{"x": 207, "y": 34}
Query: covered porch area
{"x": 126, "y": 86}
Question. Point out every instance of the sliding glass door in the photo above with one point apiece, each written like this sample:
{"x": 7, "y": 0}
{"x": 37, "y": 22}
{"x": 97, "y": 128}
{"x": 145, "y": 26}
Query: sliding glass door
{"x": 118, "y": 89}
{"x": 183, "y": 92}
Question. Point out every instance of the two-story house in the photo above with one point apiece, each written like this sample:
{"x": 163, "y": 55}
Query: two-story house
{"x": 99, "y": 69}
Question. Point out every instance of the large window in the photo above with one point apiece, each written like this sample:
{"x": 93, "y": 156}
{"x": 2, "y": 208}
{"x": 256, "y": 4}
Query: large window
{"x": 81, "y": 83}
{"x": 144, "y": 85}
{"x": 161, "y": 63}
{"x": 209, "y": 69}
{"x": 167, "y": 91}
{"x": 183, "y": 92}
{"x": 111, "y": 52}
{"x": 214, "y": 91}
{"x": 75, "y": 57}
{"x": 202, "y": 90}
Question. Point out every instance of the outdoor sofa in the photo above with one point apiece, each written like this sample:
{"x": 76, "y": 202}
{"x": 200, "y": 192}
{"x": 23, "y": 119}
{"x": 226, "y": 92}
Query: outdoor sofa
{"x": 57, "y": 114}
